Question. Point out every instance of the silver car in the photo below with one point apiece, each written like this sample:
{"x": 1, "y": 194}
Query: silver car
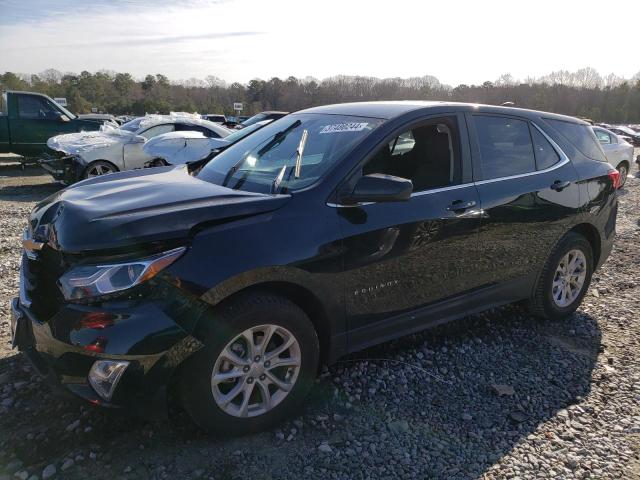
{"x": 619, "y": 153}
{"x": 111, "y": 149}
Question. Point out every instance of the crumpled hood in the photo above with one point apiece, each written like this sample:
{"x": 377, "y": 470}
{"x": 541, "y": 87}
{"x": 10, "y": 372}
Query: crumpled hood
{"x": 138, "y": 206}
{"x": 77, "y": 143}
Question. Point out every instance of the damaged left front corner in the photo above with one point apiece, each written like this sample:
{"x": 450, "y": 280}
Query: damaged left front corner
{"x": 67, "y": 169}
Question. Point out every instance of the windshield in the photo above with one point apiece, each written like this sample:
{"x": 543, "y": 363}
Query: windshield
{"x": 265, "y": 161}
{"x": 133, "y": 125}
{"x": 238, "y": 134}
{"x": 70, "y": 115}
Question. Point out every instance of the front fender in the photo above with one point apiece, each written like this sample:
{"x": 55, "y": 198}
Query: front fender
{"x": 262, "y": 276}
{"x": 301, "y": 287}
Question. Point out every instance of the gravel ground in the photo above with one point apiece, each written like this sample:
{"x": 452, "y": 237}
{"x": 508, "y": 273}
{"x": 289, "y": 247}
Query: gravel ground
{"x": 496, "y": 395}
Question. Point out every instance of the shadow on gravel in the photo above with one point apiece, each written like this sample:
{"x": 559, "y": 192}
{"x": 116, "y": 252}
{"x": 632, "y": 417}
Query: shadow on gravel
{"x": 445, "y": 403}
{"x": 29, "y": 193}
{"x": 29, "y": 185}
{"x": 461, "y": 396}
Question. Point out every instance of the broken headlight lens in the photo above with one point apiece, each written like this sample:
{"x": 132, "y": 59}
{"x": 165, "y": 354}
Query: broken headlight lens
{"x": 87, "y": 281}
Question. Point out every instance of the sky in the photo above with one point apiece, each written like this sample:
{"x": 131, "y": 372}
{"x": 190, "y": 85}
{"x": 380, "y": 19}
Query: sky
{"x": 457, "y": 41}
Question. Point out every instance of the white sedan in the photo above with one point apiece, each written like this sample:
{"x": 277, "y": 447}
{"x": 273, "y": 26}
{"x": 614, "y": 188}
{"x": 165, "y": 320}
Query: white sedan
{"x": 111, "y": 149}
{"x": 177, "y": 148}
{"x": 619, "y": 152}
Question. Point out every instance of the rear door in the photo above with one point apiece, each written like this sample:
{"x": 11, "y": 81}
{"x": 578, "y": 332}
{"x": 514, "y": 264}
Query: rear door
{"x": 400, "y": 256}
{"x": 528, "y": 194}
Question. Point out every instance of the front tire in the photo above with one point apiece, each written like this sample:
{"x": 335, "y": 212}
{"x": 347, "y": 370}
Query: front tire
{"x": 565, "y": 278}
{"x": 98, "y": 168}
{"x": 259, "y": 362}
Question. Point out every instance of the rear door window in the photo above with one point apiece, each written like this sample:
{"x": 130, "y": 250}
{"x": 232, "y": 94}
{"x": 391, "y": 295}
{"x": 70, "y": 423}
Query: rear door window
{"x": 581, "y": 136}
{"x": 505, "y": 146}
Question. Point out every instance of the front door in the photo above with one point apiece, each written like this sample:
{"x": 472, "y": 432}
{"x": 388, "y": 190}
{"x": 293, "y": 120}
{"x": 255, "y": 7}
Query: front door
{"x": 37, "y": 120}
{"x": 133, "y": 153}
{"x": 400, "y": 256}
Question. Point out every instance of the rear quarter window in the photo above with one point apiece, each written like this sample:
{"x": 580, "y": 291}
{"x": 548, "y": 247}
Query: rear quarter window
{"x": 546, "y": 156}
{"x": 581, "y": 137}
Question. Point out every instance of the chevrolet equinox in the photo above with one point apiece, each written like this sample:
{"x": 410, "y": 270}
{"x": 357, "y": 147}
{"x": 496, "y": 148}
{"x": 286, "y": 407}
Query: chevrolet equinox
{"x": 329, "y": 230}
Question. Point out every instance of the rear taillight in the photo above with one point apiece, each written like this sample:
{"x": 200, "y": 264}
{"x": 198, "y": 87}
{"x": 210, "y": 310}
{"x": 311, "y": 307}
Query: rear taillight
{"x": 614, "y": 175}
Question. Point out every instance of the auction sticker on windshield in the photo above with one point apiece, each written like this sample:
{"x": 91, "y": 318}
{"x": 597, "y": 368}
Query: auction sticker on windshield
{"x": 344, "y": 127}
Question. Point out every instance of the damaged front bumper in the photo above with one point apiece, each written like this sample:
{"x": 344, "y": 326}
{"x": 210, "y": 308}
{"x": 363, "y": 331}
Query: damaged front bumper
{"x": 64, "y": 349}
{"x": 67, "y": 169}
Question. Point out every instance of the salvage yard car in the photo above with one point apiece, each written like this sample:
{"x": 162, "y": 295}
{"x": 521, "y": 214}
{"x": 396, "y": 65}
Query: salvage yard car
{"x": 29, "y": 119}
{"x": 631, "y": 134}
{"x": 90, "y": 154}
{"x": 618, "y": 152}
{"x": 309, "y": 239}
{"x": 179, "y": 148}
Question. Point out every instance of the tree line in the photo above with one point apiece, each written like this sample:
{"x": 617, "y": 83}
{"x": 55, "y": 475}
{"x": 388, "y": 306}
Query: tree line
{"x": 583, "y": 93}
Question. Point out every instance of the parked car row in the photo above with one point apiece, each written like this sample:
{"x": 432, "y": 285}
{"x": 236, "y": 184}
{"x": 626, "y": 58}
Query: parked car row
{"x": 193, "y": 148}
{"x": 316, "y": 235}
{"x": 112, "y": 149}
{"x": 29, "y": 120}
{"x": 629, "y": 133}
{"x": 242, "y": 121}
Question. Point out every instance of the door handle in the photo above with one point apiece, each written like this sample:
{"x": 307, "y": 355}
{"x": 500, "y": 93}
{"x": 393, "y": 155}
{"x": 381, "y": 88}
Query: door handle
{"x": 461, "y": 205}
{"x": 559, "y": 185}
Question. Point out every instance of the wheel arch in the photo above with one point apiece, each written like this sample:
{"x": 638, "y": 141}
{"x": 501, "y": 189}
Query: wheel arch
{"x": 592, "y": 235}
{"x": 301, "y": 296}
{"x": 625, "y": 161}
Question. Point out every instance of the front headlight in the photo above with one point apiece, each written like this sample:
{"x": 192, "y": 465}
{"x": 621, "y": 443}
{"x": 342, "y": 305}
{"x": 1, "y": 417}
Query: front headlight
{"x": 86, "y": 281}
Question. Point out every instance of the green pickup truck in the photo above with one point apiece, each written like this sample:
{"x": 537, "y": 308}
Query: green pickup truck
{"x": 28, "y": 120}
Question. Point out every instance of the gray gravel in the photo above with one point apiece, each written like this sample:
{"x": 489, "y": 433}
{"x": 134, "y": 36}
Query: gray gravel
{"x": 496, "y": 395}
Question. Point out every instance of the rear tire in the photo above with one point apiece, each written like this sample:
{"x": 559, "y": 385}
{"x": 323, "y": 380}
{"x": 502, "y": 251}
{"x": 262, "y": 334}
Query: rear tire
{"x": 565, "y": 278}
{"x": 229, "y": 366}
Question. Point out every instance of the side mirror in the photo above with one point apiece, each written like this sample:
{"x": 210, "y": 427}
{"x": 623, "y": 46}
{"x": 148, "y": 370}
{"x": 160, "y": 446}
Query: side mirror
{"x": 138, "y": 139}
{"x": 379, "y": 188}
{"x": 56, "y": 115}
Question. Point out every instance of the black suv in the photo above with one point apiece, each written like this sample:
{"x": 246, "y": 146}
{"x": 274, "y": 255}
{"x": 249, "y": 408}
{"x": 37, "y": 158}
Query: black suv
{"x": 327, "y": 231}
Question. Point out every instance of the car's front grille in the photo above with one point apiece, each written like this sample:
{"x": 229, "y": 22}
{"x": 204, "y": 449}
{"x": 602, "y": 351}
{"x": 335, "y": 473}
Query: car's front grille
{"x": 39, "y": 283}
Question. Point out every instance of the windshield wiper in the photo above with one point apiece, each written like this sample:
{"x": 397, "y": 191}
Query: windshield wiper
{"x": 275, "y": 185}
{"x": 300, "y": 151}
{"x": 276, "y": 140}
